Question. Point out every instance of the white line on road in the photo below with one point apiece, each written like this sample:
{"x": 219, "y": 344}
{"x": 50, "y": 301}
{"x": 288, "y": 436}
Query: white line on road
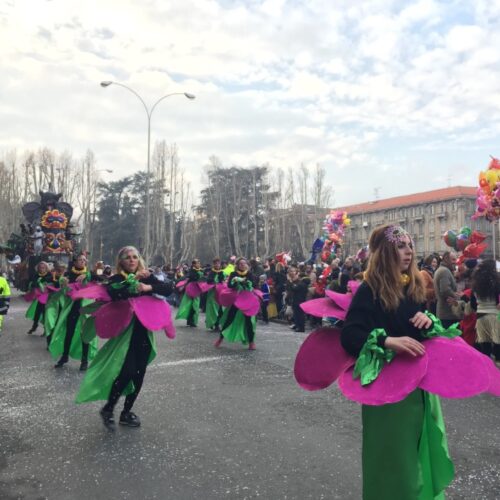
{"x": 188, "y": 361}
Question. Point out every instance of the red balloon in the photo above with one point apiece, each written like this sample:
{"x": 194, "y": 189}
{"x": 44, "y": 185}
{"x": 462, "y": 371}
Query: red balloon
{"x": 477, "y": 237}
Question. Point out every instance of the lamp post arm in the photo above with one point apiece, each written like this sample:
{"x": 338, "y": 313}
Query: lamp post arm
{"x": 161, "y": 99}
{"x": 148, "y": 112}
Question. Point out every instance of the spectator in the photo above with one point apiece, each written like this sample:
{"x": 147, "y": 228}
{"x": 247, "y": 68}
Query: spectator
{"x": 296, "y": 291}
{"x": 346, "y": 274}
{"x": 445, "y": 288}
{"x": 486, "y": 288}
{"x": 429, "y": 267}
{"x": 266, "y": 297}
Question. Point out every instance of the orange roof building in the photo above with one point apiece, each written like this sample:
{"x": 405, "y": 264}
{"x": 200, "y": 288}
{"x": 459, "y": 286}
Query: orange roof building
{"x": 425, "y": 215}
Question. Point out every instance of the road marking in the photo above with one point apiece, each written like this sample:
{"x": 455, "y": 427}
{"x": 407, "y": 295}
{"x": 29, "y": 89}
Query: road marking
{"x": 188, "y": 361}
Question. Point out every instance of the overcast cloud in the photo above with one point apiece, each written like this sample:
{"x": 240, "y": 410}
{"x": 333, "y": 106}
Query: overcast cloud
{"x": 401, "y": 96}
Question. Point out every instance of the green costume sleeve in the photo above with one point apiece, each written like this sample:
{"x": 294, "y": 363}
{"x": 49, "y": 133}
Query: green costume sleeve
{"x": 372, "y": 357}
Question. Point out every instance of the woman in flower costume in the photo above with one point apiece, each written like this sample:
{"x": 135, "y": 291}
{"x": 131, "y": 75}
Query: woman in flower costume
{"x": 242, "y": 302}
{"x": 405, "y": 360}
{"x": 213, "y": 310}
{"x": 66, "y": 337}
{"x": 128, "y": 321}
{"x": 38, "y": 295}
{"x": 189, "y": 308}
{"x": 387, "y": 314}
{"x": 55, "y": 301}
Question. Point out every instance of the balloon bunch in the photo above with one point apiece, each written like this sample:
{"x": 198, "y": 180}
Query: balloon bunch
{"x": 488, "y": 192}
{"x": 467, "y": 241}
{"x": 333, "y": 232}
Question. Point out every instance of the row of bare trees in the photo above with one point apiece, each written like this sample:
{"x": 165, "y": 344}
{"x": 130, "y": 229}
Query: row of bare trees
{"x": 239, "y": 211}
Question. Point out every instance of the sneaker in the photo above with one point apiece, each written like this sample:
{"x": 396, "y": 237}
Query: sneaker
{"x": 107, "y": 419}
{"x": 292, "y": 327}
{"x": 251, "y": 346}
{"x": 83, "y": 366}
{"x": 61, "y": 362}
{"x": 129, "y": 419}
{"x": 218, "y": 342}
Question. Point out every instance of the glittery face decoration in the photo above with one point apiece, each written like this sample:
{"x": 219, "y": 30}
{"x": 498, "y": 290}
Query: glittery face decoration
{"x": 395, "y": 234}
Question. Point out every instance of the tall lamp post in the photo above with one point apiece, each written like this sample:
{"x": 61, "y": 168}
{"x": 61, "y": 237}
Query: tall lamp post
{"x": 149, "y": 112}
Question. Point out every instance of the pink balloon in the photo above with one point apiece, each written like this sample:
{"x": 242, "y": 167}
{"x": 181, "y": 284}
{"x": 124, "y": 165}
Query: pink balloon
{"x": 155, "y": 314}
{"x": 321, "y": 360}
{"x": 112, "y": 318}
{"x": 397, "y": 379}
{"x": 456, "y": 370}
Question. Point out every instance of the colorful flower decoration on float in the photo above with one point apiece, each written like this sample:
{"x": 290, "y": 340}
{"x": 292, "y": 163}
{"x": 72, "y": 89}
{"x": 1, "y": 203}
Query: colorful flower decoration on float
{"x": 488, "y": 192}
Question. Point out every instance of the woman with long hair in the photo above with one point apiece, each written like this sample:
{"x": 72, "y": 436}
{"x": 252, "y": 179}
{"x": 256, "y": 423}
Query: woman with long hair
{"x": 431, "y": 263}
{"x": 484, "y": 300}
{"x": 120, "y": 365}
{"x": 404, "y": 452}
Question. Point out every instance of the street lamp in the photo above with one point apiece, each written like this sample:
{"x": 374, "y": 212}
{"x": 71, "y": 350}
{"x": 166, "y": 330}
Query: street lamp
{"x": 149, "y": 112}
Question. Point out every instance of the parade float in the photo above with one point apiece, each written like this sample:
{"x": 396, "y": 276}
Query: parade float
{"x": 46, "y": 235}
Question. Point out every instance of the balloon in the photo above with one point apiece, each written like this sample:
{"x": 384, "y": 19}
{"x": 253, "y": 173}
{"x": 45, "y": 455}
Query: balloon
{"x": 477, "y": 237}
{"x": 494, "y": 163}
{"x": 461, "y": 242}
{"x": 465, "y": 230}
{"x": 450, "y": 238}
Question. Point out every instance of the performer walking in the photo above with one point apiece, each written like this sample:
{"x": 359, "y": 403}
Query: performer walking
{"x": 189, "y": 308}
{"x": 405, "y": 453}
{"x": 213, "y": 310}
{"x": 120, "y": 365}
{"x": 55, "y": 301}
{"x": 66, "y": 339}
{"x": 38, "y": 286}
{"x": 238, "y": 326}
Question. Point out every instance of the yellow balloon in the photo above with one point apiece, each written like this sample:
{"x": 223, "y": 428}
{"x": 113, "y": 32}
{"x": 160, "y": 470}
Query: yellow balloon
{"x": 347, "y": 222}
{"x": 492, "y": 178}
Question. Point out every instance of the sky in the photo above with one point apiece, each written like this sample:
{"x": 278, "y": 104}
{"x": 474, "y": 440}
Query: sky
{"x": 389, "y": 96}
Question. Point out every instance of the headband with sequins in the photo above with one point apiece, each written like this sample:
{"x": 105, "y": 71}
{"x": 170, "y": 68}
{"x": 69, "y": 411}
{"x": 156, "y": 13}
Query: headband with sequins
{"x": 395, "y": 234}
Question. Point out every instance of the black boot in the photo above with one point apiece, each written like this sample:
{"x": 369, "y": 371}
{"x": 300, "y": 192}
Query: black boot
{"x": 107, "y": 419}
{"x": 83, "y": 366}
{"x": 129, "y": 419}
{"x": 61, "y": 362}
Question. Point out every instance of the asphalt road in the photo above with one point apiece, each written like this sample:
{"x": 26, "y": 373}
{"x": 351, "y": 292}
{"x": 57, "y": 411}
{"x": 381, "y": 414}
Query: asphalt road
{"x": 227, "y": 423}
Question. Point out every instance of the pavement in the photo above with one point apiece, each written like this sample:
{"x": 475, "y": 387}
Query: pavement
{"x": 227, "y": 423}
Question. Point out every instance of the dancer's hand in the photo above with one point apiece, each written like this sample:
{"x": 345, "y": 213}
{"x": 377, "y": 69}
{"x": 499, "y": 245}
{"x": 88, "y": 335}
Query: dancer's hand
{"x": 142, "y": 274}
{"x": 144, "y": 288}
{"x": 421, "y": 321}
{"x": 80, "y": 278}
{"x": 405, "y": 345}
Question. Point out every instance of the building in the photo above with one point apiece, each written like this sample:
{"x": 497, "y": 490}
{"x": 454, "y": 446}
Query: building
{"x": 426, "y": 216}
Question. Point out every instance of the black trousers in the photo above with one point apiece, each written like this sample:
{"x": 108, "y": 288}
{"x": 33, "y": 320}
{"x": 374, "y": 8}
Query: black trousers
{"x": 299, "y": 317}
{"x": 133, "y": 369}
{"x": 40, "y": 309}
{"x": 263, "y": 311}
{"x": 71, "y": 322}
{"x": 250, "y": 334}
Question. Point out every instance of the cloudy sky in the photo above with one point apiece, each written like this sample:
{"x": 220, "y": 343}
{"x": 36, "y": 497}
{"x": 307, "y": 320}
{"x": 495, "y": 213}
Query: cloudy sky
{"x": 397, "y": 95}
